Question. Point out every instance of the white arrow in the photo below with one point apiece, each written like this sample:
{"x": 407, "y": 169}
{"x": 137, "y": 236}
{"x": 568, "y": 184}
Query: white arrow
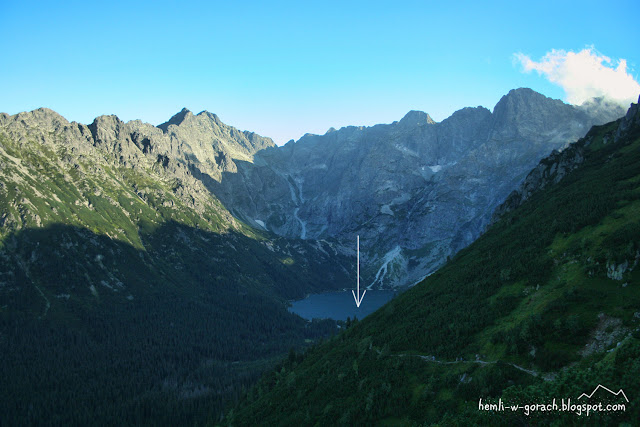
{"x": 358, "y": 298}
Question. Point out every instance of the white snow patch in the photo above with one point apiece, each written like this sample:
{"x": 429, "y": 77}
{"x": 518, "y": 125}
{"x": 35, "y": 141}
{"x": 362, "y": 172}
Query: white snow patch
{"x": 260, "y": 223}
{"x": 435, "y": 168}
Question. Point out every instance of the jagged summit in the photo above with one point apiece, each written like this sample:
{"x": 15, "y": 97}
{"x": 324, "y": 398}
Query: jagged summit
{"x": 322, "y": 186}
{"x": 415, "y": 117}
{"x": 213, "y": 117}
{"x": 524, "y": 111}
{"x": 315, "y": 187}
{"x": 524, "y": 91}
{"x": 523, "y": 97}
{"x": 177, "y": 119}
{"x": 203, "y": 118}
{"x": 41, "y": 117}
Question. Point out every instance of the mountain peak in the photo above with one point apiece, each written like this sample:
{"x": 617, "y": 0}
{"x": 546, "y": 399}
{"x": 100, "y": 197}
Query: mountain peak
{"x": 177, "y": 119}
{"x": 211, "y": 116}
{"x": 525, "y": 101}
{"x": 416, "y": 117}
{"x": 523, "y": 94}
{"x": 522, "y": 91}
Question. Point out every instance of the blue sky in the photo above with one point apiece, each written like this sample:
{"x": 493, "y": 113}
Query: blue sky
{"x": 286, "y": 68}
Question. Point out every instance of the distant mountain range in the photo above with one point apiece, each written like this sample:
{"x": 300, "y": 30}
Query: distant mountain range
{"x": 416, "y": 191}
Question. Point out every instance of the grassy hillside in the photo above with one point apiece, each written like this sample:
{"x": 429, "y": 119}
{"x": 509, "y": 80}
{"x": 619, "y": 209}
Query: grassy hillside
{"x": 128, "y": 293}
{"x": 546, "y": 304}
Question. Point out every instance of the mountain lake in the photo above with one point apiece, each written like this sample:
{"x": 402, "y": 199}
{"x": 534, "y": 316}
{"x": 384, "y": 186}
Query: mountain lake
{"x": 340, "y": 305}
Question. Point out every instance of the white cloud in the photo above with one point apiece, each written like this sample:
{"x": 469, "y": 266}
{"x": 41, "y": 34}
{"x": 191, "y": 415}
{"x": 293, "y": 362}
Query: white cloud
{"x": 585, "y": 75}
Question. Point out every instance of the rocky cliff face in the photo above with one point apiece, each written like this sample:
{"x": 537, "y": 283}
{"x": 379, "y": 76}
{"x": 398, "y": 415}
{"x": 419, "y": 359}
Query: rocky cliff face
{"x": 128, "y": 180}
{"x": 82, "y": 153}
{"x": 553, "y": 168}
{"x": 415, "y": 191}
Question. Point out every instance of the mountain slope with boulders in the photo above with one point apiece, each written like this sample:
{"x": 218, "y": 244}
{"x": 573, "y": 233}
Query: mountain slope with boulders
{"x": 545, "y": 305}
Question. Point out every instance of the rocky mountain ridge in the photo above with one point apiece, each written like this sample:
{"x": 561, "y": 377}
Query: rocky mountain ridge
{"x": 125, "y": 180}
{"x": 416, "y": 191}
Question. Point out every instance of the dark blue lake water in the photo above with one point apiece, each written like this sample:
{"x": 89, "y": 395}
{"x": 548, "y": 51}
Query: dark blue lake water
{"x": 339, "y": 305}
